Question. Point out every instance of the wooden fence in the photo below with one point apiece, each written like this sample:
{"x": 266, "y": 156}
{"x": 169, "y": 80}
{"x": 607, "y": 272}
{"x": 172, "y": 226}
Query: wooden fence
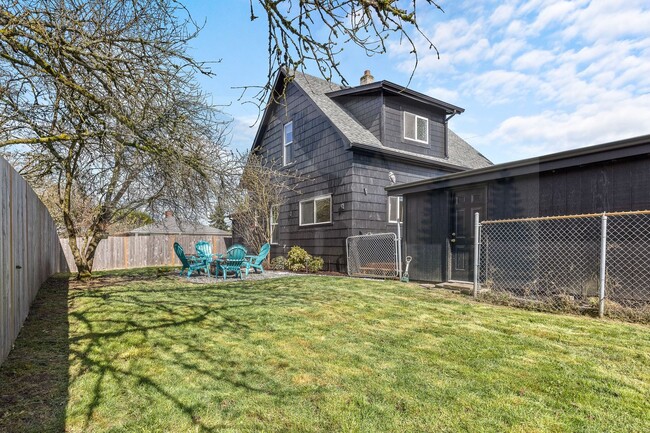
{"x": 121, "y": 252}
{"x": 29, "y": 252}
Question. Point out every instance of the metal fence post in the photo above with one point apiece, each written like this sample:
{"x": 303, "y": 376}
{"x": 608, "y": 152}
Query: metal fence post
{"x": 603, "y": 259}
{"x": 399, "y": 247}
{"x": 477, "y": 254}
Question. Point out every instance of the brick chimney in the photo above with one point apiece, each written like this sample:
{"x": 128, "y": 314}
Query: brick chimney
{"x": 169, "y": 214}
{"x": 367, "y": 78}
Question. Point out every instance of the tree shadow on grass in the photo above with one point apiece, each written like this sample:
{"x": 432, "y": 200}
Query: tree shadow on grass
{"x": 146, "y": 338}
{"x": 84, "y": 330}
{"x": 34, "y": 378}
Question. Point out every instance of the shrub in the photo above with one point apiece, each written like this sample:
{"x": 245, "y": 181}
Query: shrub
{"x": 297, "y": 267}
{"x": 297, "y": 259}
{"x": 279, "y": 263}
{"x": 315, "y": 264}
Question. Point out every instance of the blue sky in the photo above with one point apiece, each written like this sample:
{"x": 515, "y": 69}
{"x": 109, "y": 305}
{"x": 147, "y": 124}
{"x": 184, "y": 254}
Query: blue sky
{"x": 535, "y": 77}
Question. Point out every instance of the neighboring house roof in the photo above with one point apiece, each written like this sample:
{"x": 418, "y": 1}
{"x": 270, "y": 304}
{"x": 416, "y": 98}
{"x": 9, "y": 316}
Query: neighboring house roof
{"x": 170, "y": 225}
{"x": 321, "y": 92}
{"x": 629, "y": 148}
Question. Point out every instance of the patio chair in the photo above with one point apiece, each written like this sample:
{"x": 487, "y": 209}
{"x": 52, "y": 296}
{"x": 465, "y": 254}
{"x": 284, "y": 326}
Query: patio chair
{"x": 198, "y": 266}
{"x": 255, "y": 262}
{"x": 204, "y": 250}
{"x": 233, "y": 261}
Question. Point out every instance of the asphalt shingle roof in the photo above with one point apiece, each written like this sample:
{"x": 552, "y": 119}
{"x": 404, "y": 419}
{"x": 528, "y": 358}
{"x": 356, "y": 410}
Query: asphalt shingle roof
{"x": 170, "y": 225}
{"x": 461, "y": 153}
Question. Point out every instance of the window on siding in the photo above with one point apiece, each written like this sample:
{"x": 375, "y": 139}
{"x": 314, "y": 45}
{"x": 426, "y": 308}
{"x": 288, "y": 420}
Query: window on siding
{"x": 395, "y": 209}
{"x": 316, "y": 211}
{"x": 416, "y": 128}
{"x": 287, "y": 154}
{"x": 273, "y": 220}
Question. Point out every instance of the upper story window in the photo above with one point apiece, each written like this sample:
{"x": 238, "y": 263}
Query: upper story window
{"x": 287, "y": 152}
{"x": 395, "y": 209}
{"x": 416, "y": 128}
{"x": 317, "y": 210}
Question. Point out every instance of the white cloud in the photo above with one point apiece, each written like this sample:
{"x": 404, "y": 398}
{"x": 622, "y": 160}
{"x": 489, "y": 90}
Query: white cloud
{"x": 602, "y": 20}
{"x": 545, "y": 75}
{"x": 500, "y": 86}
{"x": 555, "y": 14}
{"x": 243, "y": 129}
{"x": 447, "y": 95}
{"x": 502, "y": 14}
{"x": 533, "y": 60}
{"x": 554, "y": 131}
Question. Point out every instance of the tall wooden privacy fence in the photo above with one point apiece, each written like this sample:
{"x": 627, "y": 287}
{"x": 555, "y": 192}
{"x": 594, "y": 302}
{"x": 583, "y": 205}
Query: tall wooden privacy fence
{"x": 29, "y": 252}
{"x": 122, "y": 252}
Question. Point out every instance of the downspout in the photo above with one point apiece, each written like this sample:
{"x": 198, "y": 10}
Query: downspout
{"x": 447, "y": 133}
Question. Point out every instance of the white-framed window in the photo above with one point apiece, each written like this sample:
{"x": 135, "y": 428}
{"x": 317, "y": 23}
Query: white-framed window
{"x": 273, "y": 222}
{"x": 395, "y": 209}
{"x": 317, "y": 210}
{"x": 287, "y": 140}
{"x": 416, "y": 128}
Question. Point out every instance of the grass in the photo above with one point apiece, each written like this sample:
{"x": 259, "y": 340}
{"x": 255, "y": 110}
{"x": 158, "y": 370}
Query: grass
{"x": 143, "y": 352}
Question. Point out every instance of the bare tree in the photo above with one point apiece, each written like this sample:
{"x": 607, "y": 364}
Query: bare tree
{"x": 262, "y": 190}
{"x": 99, "y": 98}
{"x": 315, "y": 31}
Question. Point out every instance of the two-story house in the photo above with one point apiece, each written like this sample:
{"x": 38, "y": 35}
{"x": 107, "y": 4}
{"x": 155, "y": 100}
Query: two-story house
{"x": 349, "y": 144}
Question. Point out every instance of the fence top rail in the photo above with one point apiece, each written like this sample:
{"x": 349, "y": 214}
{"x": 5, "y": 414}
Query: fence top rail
{"x": 564, "y": 217}
{"x": 372, "y": 234}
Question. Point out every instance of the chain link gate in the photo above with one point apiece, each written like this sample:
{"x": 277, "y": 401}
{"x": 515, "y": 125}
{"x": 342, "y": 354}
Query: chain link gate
{"x": 373, "y": 255}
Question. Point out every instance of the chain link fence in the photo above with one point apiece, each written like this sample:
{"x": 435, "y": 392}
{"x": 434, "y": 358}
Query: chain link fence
{"x": 583, "y": 263}
{"x": 373, "y": 255}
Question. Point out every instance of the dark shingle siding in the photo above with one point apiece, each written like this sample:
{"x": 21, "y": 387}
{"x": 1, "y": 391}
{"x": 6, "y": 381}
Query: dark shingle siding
{"x": 321, "y": 158}
{"x": 366, "y": 109}
{"x": 394, "y": 128}
{"x": 371, "y": 206}
{"x": 323, "y": 130}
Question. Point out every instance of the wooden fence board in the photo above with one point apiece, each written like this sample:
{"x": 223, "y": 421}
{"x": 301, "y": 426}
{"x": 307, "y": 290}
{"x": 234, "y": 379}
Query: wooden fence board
{"x": 121, "y": 252}
{"x": 30, "y": 252}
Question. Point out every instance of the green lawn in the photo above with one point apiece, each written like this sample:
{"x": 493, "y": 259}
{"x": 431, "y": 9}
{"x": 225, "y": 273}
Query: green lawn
{"x": 141, "y": 352}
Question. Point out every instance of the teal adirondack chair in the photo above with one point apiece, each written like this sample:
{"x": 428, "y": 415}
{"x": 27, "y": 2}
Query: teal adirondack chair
{"x": 255, "y": 262}
{"x": 233, "y": 261}
{"x": 204, "y": 254}
{"x": 203, "y": 249}
{"x": 191, "y": 267}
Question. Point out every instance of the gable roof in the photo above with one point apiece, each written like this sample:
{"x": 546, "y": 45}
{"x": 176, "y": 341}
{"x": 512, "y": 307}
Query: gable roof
{"x": 461, "y": 155}
{"x": 170, "y": 225}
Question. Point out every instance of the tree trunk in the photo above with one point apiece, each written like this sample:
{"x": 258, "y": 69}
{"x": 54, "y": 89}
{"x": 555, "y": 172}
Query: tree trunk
{"x": 83, "y": 270}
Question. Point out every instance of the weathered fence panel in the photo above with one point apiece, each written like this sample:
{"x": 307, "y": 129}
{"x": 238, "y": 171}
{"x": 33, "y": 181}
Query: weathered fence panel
{"x": 29, "y": 252}
{"x": 123, "y": 252}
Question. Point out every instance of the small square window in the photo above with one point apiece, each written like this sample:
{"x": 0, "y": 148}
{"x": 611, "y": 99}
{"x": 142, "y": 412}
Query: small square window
{"x": 416, "y": 128}
{"x": 316, "y": 211}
